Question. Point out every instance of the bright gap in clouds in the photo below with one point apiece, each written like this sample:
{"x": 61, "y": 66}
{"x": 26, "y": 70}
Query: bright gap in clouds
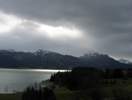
{"x": 8, "y": 22}
{"x": 59, "y": 32}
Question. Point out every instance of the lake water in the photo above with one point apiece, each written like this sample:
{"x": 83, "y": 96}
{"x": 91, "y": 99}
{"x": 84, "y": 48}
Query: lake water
{"x": 18, "y": 79}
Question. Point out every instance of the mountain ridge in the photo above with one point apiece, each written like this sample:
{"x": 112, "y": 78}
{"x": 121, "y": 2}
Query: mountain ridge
{"x": 52, "y": 60}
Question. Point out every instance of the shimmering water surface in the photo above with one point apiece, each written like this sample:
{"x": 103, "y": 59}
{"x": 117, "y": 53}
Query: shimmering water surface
{"x": 18, "y": 79}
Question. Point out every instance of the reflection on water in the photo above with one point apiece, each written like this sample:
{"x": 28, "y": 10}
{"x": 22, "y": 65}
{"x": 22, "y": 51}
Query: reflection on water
{"x": 18, "y": 79}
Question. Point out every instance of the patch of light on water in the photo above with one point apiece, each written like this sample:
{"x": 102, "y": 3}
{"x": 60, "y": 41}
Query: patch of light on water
{"x": 35, "y": 70}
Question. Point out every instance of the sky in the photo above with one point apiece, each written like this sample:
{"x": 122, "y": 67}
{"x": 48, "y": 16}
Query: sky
{"x": 70, "y": 27}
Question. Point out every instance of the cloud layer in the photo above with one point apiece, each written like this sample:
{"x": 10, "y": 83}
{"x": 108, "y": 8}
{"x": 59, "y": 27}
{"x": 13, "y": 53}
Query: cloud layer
{"x": 67, "y": 26}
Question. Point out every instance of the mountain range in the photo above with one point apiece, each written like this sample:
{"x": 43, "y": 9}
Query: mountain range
{"x": 52, "y": 60}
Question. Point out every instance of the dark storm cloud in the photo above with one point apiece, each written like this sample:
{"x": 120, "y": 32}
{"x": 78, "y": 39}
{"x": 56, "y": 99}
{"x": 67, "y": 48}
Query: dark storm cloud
{"x": 107, "y": 22}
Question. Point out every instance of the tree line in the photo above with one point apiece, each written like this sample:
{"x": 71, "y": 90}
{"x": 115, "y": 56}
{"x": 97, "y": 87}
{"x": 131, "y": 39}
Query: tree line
{"x": 83, "y": 78}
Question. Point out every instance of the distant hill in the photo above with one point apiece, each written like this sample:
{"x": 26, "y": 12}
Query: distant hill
{"x": 102, "y": 61}
{"x": 47, "y": 59}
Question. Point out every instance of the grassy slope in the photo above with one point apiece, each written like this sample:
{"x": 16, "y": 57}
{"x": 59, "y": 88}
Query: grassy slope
{"x": 122, "y": 86}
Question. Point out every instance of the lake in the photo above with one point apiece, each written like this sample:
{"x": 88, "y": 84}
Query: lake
{"x": 18, "y": 79}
